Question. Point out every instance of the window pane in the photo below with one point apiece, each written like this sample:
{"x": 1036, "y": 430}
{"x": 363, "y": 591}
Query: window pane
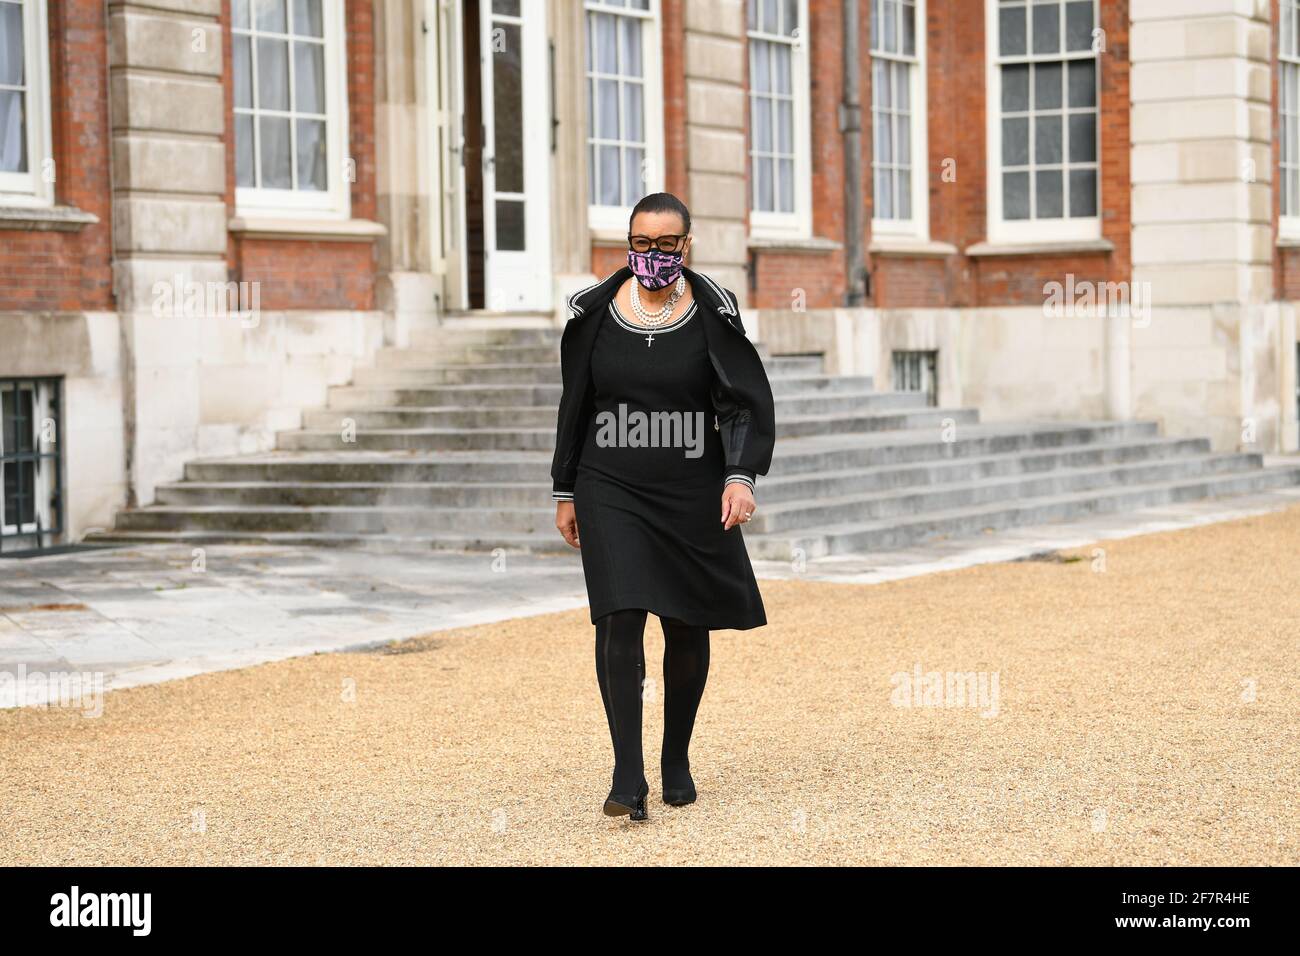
{"x": 904, "y": 194}
{"x": 1046, "y": 20}
{"x": 781, "y": 67}
{"x": 902, "y": 86}
{"x": 1083, "y": 83}
{"x": 269, "y": 15}
{"x": 1083, "y": 192}
{"x": 509, "y": 8}
{"x": 882, "y": 86}
{"x": 875, "y": 24}
{"x": 242, "y": 68}
{"x": 630, "y": 61}
{"x": 909, "y": 31}
{"x": 1015, "y": 88}
{"x": 1015, "y": 195}
{"x": 508, "y": 112}
{"x": 889, "y": 26}
{"x": 607, "y": 109}
{"x": 884, "y": 194}
{"x": 311, "y": 155}
{"x": 634, "y": 173}
{"x": 790, "y": 18}
{"x": 785, "y": 179}
{"x": 763, "y": 200}
{"x": 13, "y": 132}
{"x": 610, "y": 193}
{"x": 309, "y": 78}
{"x": 770, "y": 14}
{"x": 1078, "y": 25}
{"x": 633, "y": 113}
{"x": 244, "y": 145}
{"x": 307, "y": 20}
{"x": 903, "y": 139}
{"x": 1047, "y": 86}
{"x": 763, "y": 124}
{"x": 510, "y": 225}
{"x": 1015, "y": 141}
{"x": 11, "y": 44}
{"x": 760, "y": 68}
{"x": 272, "y": 74}
{"x": 239, "y": 14}
{"x": 785, "y": 127}
{"x": 604, "y": 42}
{"x": 1048, "y": 196}
{"x": 1083, "y": 138}
{"x": 885, "y": 136}
{"x": 273, "y": 142}
{"x": 1048, "y": 144}
{"x": 1011, "y": 31}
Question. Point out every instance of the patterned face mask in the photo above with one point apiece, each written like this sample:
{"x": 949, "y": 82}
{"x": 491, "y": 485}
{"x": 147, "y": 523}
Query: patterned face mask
{"x": 655, "y": 269}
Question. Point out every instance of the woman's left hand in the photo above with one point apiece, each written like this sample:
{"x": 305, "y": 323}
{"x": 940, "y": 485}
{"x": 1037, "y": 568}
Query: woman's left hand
{"x": 737, "y": 505}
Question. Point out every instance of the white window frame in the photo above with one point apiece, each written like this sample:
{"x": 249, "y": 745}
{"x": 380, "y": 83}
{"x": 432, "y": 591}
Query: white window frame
{"x": 605, "y": 218}
{"x": 1288, "y": 61}
{"x": 32, "y": 188}
{"x": 796, "y": 224}
{"x": 335, "y": 202}
{"x": 918, "y": 226}
{"x": 1030, "y": 230}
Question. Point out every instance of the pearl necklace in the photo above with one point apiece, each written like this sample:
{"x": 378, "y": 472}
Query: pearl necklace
{"x": 659, "y": 316}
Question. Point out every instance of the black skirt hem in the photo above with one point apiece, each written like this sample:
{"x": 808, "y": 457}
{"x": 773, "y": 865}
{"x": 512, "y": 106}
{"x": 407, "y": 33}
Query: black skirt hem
{"x": 695, "y": 617}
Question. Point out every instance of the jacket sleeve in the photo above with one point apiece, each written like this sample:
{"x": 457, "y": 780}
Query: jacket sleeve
{"x": 742, "y": 398}
{"x": 570, "y": 432}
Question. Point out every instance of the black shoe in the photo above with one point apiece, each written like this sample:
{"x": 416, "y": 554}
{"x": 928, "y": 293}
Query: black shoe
{"x": 679, "y": 787}
{"x": 617, "y": 805}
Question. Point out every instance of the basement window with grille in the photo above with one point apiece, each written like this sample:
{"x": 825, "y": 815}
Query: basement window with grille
{"x": 31, "y": 463}
{"x": 915, "y": 372}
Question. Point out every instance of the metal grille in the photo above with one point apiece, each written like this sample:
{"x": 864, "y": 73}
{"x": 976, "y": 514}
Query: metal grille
{"x": 31, "y": 463}
{"x": 915, "y": 372}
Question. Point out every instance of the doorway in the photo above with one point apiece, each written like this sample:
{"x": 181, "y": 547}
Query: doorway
{"x": 504, "y": 157}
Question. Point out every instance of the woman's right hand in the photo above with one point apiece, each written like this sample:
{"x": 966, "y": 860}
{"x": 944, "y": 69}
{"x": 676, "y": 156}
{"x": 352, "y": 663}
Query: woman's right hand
{"x": 566, "y": 520}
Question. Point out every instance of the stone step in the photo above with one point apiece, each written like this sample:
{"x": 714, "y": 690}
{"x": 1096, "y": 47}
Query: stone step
{"x": 415, "y": 416}
{"x": 534, "y": 484}
{"x": 468, "y": 336}
{"x": 458, "y": 396}
{"x": 544, "y": 373}
{"x": 793, "y": 515}
{"x": 376, "y": 467}
{"x": 886, "y": 533}
{"x": 543, "y": 353}
{"x": 541, "y": 542}
{"x": 543, "y": 437}
{"x": 800, "y": 384}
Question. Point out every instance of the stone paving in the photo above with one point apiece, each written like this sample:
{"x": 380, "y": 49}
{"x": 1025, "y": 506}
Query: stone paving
{"x": 140, "y": 615}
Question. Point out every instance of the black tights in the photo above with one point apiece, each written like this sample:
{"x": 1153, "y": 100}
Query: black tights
{"x": 620, "y": 671}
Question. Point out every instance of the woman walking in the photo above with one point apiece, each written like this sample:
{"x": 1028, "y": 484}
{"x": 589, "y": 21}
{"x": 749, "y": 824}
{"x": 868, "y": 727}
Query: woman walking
{"x": 665, "y": 420}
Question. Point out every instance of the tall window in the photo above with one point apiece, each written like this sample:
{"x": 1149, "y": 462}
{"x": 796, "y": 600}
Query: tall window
{"x": 30, "y": 462}
{"x": 1044, "y": 176}
{"x": 290, "y": 102}
{"x": 898, "y": 141}
{"x": 26, "y": 167}
{"x": 779, "y": 157}
{"x": 624, "y": 116}
{"x": 1289, "y": 119}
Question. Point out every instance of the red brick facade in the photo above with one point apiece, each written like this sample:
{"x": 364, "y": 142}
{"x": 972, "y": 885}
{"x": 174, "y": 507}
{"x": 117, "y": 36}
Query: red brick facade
{"x": 70, "y": 271}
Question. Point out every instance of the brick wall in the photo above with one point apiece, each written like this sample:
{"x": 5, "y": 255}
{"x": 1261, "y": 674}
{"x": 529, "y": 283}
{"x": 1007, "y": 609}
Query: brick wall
{"x": 69, "y": 271}
{"x": 303, "y": 273}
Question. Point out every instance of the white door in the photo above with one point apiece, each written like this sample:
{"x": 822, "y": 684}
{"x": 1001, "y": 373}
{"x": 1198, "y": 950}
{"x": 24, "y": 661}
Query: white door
{"x": 516, "y": 155}
{"x": 446, "y": 97}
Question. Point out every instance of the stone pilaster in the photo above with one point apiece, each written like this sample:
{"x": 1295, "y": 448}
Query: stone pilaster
{"x": 715, "y": 139}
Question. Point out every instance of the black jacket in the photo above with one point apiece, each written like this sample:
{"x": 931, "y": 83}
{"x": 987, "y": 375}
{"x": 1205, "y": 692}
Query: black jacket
{"x": 742, "y": 397}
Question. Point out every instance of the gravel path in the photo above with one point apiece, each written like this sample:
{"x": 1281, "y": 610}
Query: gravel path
{"x": 1146, "y": 711}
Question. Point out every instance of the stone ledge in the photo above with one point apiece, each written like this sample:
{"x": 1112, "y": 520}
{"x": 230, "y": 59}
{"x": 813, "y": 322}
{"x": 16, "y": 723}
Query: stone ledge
{"x": 320, "y": 230}
{"x": 45, "y": 218}
{"x": 1063, "y": 247}
{"x": 904, "y": 246}
{"x": 793, "y": 244}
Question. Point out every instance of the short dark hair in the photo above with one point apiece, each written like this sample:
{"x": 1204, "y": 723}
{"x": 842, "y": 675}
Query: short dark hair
{"x": 661, "y": 202}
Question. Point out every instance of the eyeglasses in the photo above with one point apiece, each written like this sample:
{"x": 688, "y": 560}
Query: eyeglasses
{"x": 662, "y": 243}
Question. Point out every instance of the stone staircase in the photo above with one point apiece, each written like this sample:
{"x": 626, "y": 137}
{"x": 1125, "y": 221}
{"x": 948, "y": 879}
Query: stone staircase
{"x": 452, "y": 450}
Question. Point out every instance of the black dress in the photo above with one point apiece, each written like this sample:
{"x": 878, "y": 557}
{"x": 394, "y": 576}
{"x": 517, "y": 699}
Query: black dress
{"x": 649, "y": 518}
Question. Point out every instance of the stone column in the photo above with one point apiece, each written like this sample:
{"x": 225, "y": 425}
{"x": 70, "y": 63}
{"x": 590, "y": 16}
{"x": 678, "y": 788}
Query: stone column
{"x": 716, "y": 76}
{"x": 408, "y": 190}
{"x": 169, "y": 216}
{"x": 1209, "y": 358}
{"x": 570, "y": 239}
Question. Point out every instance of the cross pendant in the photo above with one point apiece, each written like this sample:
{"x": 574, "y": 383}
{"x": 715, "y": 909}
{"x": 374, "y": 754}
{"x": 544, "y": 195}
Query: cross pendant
{"x": 649, "y": 340}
